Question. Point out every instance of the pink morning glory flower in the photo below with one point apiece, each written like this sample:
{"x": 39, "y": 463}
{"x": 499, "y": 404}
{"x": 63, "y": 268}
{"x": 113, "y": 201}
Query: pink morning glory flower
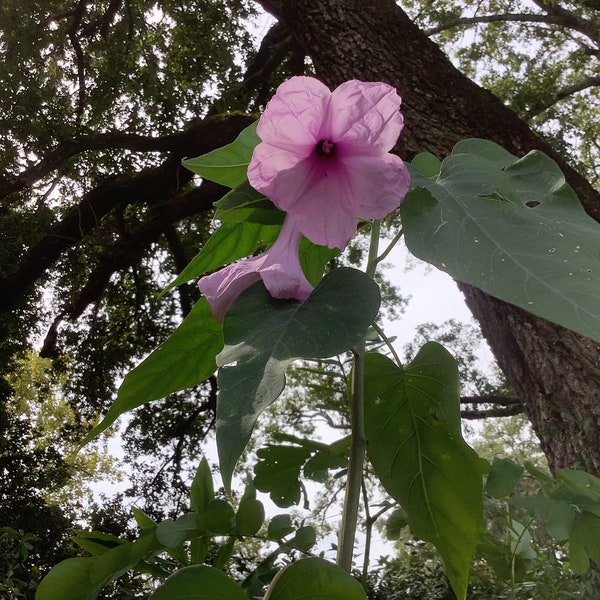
{"x": 279, "y": 268}
{"x": 324, "y": 156}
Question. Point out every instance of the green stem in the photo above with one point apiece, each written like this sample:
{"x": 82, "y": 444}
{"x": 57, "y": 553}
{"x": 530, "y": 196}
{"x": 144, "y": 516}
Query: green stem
{"x": 388, "y": 343}
{"x": 390, "y": 247}
{"x": 357, "y": 424}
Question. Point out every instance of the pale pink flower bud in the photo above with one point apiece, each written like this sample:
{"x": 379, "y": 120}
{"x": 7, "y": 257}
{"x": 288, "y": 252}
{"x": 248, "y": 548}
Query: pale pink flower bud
{"x": 279, "y": 268}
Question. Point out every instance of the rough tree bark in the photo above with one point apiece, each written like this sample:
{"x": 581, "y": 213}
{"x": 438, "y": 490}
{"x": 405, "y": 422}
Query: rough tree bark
{"x": 554, "y": 371}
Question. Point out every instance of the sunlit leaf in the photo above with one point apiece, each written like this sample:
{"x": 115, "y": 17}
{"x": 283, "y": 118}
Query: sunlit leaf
{"x": 412, "y": 422}
{"x": 316, "y": 579}
{"x": 227, "y": 165}
{"x": 70, "y": 580}
{"x": 185, "y": 359}
{"x": 511, "y": 227}
{"x": 246, "y": 204}
{"x": 199, "y": 582}
{"x": 83, "y": 578}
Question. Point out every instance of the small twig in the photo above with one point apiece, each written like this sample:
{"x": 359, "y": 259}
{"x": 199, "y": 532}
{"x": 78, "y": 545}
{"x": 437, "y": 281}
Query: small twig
{"x": 388, "y": 343}
{"x": 390, "y": 247}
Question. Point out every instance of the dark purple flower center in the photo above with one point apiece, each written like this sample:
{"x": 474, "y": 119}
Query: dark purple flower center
{"x": 326, "y": 148}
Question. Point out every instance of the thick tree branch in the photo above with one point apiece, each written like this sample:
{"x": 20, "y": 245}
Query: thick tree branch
{"x": 79, "y": 59}
{"x": 491, "y": 399}
{"x": 509, "y": 411}
{"x": 555, "y": 371}
{"x": 105, "y": 21}
{"x": 565, "y": 92}
{"x": 273, "y": 47}
{"x": 499, "y": 406}
{"x": 569, "y": 21}
{"x": 151, "y": 186}
{"x": 65, "y": 150}
{"x": 181, "y": 259}
{"x": 129, "y": 250}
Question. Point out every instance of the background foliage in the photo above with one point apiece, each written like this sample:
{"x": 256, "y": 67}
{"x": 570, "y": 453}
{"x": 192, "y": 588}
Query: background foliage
{"x": 99, "y": 103}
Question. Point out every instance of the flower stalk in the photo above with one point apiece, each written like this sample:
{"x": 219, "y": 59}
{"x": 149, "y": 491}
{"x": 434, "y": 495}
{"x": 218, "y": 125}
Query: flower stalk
{"x": 358, "y": 443}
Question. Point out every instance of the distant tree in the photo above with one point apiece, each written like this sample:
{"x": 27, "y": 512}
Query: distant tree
{"x": 101, "y": 101}
{"x": 45, "y": 482}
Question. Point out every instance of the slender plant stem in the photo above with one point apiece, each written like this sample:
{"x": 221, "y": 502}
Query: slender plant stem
{"x": 390, "y": 247}
{"x": 388, "y": 343}
{"x": 358, "y": 444}
{"x": 368, "y": 534}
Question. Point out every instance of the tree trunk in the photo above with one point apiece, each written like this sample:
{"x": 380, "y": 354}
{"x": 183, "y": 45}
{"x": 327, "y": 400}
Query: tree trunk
{"x": 555, "y": 371}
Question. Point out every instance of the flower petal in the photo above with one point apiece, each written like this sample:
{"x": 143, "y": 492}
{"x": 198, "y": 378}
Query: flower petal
{"x": 376, "y": 185}
{"x": 279, "y": 268}
{"x": 315, "y": 200}
{"x": 364, "y": 116}
{"x": 266, "y": 164}
{"x": 223, "y": 287}
{"x": 282, "y": 272}
{"x": 295, "y": 113}
{"x": 324, "y": 192}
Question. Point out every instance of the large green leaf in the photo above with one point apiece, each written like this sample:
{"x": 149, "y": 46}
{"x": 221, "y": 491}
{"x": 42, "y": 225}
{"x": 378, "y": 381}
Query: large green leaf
{"x": 83, "y": 578}
{"x": 558, "y": 515}
{"x": 412, "y": 423}
{"x": 246, "y": 204}
{"x": 70, "y": 580}
{"x": 511, "y": 227}
{"x": 227, "y": 165}
{"x": 262, "y": 336}
{"x": 199, "y": 582}
{"x": 228, "y": 243}
{"x": 503, "y": 477}
{"x": 184, "y": 360}
{"x": 570, "y": 508}
{"x": 584, "y": 543}
{"x": 316, "y": 579}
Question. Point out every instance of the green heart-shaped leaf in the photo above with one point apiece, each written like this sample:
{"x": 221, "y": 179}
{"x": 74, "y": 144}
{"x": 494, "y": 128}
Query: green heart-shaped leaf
{"x": 511, "y": 227}
{"x": 227, "y": 165}
{"x": 262, "y": 336}
{"x": 412, "y": 424}
{"x": 316, "y": 579}
{"x": 183, "y": 360}
{"x": 199, "y": 582}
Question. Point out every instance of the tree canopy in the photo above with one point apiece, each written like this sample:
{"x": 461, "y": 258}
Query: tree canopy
{"x": 100, "y": 102}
